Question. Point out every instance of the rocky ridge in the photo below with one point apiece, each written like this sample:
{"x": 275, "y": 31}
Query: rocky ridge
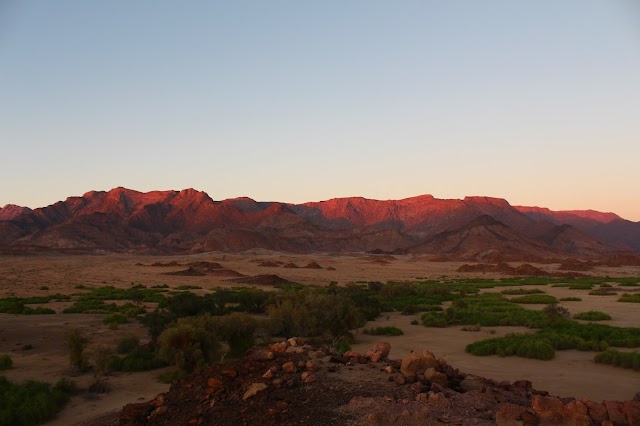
{"x": 189, "y": 221}
{"x": 293, "y": 383}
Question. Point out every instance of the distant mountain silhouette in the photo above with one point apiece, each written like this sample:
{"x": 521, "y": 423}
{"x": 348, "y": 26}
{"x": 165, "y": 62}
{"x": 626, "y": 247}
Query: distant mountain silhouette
{"x": 189, "y": 221}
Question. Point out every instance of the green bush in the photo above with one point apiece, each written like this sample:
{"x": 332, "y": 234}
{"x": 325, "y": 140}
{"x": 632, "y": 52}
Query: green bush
{"x": 5, "y": 361}
{"x": 535, "y": 299}
{"x": 592, "y": 316}
{"x": 127, "y": 344}
{"x": 602, "y": 292}
{"x": 570, "y": 299}
{"x": 384, "y": 331}
{"x": 31, "y": 403}
{"x": 76, "y": 342}
{"x": 115, "y": 319}
{"x": 620, "y": 359}
{"x": 188, "y": 346}
{"x": 630, "y": 298}
{"x": 138, "y": 359}
{"x": 521, "y": 291}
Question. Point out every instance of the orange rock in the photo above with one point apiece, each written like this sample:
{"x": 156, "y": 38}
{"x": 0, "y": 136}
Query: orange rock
{"x": 289, "y": 367}
{"x": 415, "y": 363}
{"x": 214, "y": 383}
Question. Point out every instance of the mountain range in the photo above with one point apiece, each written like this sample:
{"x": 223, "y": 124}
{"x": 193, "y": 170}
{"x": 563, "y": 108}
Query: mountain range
{"x": 189, "y": 221}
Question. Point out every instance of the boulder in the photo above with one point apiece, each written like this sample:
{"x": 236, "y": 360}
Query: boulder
{"x": 435, "y": 376}
{"x": 383, "y": 348}
{"x": 417, "y": 363}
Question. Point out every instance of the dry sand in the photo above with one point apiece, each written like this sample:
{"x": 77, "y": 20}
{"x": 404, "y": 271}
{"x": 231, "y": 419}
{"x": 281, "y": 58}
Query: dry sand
{"x": 571, "y": 373}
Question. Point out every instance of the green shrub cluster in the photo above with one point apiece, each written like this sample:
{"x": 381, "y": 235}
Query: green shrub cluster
{"x": 31, "y": 403}
{"x": 620, "y": 359}
{"x": 384, "y": 331}
{"x": 630, "y": 298}
{"x": 17, "y": 305}
{"x": 570, "y": 299}
{"x": 542, "y": 299}
{"x": 489, "y": 310}
{"x": 592, "y": 316}
{"x": 521, "y": 291}
{"x": 522, "y": 345}
{"x": 138, "y": 359}
{"x": 115, "y": 319}
{"x": 562, "y": 336}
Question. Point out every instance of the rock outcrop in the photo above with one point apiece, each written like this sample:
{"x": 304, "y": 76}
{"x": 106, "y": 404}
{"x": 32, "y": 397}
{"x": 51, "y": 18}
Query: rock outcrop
{"x": 293, "y": 383}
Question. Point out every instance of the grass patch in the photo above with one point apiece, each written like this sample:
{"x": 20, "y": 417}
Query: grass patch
{"x": 188, "y": 287}
{"x": 384, "y": 331}
{"x": 115, "y": 319}
{"x": 592, "y": 316}
{"x": 521, "y": 291}
{"x": 570, "y": 299}
{"x": 630, "y": 298}
{"x": 31, "y": 403}
{"x": 620, "y": 359}
{"x": 139, "y": 359}
{"x": 535, "y": 299}
{"x": 17, "y": 305}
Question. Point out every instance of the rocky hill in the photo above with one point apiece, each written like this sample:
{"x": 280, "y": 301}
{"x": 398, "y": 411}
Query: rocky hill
{"x": 189, "y": 221}
{"x": 291, "y": 383}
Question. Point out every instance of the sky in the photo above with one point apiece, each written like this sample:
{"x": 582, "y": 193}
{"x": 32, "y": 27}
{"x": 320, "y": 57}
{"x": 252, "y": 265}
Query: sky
{"x": 536, "y": 102}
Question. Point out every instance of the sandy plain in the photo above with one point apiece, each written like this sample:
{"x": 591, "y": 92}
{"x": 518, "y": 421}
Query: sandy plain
{"x": 571, "y": 373}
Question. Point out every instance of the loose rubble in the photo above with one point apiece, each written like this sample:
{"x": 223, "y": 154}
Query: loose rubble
{"x": 293, "y": 383}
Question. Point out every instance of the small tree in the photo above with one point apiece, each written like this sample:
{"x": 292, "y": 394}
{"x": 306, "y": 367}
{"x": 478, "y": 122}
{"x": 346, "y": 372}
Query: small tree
{"x": 556, "y": 313}
{"x": 100, "y": 360}
{"x": 76, "y": 342}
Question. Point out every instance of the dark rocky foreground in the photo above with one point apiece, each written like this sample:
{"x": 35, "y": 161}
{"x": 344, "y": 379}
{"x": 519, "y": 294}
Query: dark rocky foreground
{"x": 290, "y": 383}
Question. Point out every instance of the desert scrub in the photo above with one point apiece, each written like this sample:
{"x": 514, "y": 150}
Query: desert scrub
{"x": 522, "y": 291}
{"x": 473, "y": 327}
{"x": 630, "y": 298}
{"x": 5, "y": 361}
{"x": 542, "y": 299}
{"x": 522, "y": 345}
{"x": 115, "y": 320}
{"x": 487, "y": 310}
{"x": 592, "y": 316}
{"x": 575, "y": 286}
{"x": 32, "y": 403}
{"x": 619, "y": 359}
{"x": 138, "y": 359}
{"x": 384, "y": 331}
{"x": 188, "y": 287}
{"x": 564, "y": 335}
{"x": 570, "y": 299}
{"x": 17, "y": 305}
{"x": 127, "y": 344}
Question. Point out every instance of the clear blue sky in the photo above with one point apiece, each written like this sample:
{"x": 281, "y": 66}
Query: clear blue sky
{"x": 537, "y": 102}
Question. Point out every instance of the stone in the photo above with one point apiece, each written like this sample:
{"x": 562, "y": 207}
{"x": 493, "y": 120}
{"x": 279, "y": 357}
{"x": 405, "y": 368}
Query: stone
{"x": 289, "y": 367}
{"x": 434, "y": 376}
{"x": 311, "y": 366}
{"x": 278, "y": 347}
{"x": 631, "y": 411}
{"x": 233, "y": 373}
{"x": 510, "y": 415}
{"x": 389, "y": 369}
{"x": 416, "y": 363}
{"x": 308, "y": 377}
{"x": 399, "y": 379}
{"x": 312, "y": 354}
{"x": 577, "y": 413}
{"x": 597, "y": 412}
{"x": 614, "y": 412}
{"x": 262, "y": 354}
{"x": 375, "y": 357}
{"x": 383, "y": 348}
{"x": 549, "y": 409}
{"x": 214, "y": 383}
{"x": 268, "y": 374}
{"x": 254, "y": 389}
{"x": 293, "y": 341}
{"x": 470, "y": 383}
